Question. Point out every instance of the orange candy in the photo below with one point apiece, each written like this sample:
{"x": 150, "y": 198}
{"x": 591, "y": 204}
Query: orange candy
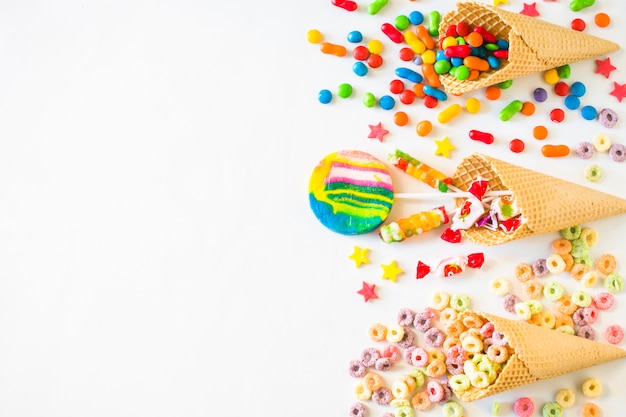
{"x": 423, "y": 128}
{"x": 528, "y": 108}
{"x": 431, "y": 77}
{"x": 333, "y": 49}
{"x": 540, "y": 132}
{"x": 474, "y": 39}
{"x": 602, "y": 20}
{"x": 493, "y": 92}
{"x": 555, "y": 151}
{"x": 476, "y": 63}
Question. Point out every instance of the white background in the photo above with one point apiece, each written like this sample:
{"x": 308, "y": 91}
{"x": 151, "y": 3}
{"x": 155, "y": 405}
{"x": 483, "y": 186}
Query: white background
{"x": 158, "y": 256}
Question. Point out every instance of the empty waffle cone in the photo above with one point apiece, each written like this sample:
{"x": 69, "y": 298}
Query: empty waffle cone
{"x": 547, "y": 203}
{"x": 540, "y": 353}
{"x": 534, "y": 45}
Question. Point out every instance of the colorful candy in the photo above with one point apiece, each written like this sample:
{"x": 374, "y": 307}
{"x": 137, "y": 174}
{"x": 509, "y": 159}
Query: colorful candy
{"x": 392, "y": 33}
{"x": 333, "y": 49}
{"x": 510, "y": 110}
{"x": 413, "y": 225}
{"x": 348, "y": 5}
{"x": 420, "y": 170}
{"x": 555, "y": 151}
{"x": 479, "y": 136}
{"x": 376, "y": 6}
{"x": 449, "y": 113}
{"x": 452, "y": 266}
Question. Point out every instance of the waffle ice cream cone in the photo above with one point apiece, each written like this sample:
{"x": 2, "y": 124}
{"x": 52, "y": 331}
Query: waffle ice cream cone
{"x": 547, "y": 203}
{"x": 540, "y": 353}
{"x": 534, "y": 45}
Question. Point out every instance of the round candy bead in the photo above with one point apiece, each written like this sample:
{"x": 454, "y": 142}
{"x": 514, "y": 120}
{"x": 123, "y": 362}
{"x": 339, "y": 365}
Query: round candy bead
{"x": 416, "y": 17}
{"x": 423, "y": 128}
{"x": 493, "y": 92}
{"x": 578, "y": 89}
{"x": 401, "y": 118}
{"x": 396, "y": 86}
{"x": 551, "y": 76}
{"x": 602, "y": 20}
{"x": 588, "y": 112}
{"x": 359, "y": 69}
{"x": 407, "y": 97}
{"x": 572, "y": 102}
{"x": 402, "y": 22}
{"x": 387, "y": 102}
{"x": 430, "y": 101}
{"x": 406, "y": 54}
{"x": 369, "y": 100}
{"x": 344, "y": 90}
{"x": 472, "y": 105}
{"x": 540, "y": 95}
{"x": 578, "y": 24}
{"x": 325, "y": 96}
{"x": 375, "y": 46}
{"x": 561, "y": 88}
{"x": 528, "y": 108}
{"x": 557, "y": 115}
{"x": 314, "y": 36}
{"x": 374, "y": 60}
{"x": 360, "y": 53}
{"x": 564, "y": 71}
{"x": 516, "y": 145}
{"x": 355, "y": 36}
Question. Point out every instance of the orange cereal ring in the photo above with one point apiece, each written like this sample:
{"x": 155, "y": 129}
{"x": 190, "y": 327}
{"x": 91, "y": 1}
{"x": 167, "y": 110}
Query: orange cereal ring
{"x": 533, "y": 289}
{"x": 377, "y": 332}
{"x": 498, "y": 354}
{"x": 606, "y": 264}
{"x": 578, "y": 271}
{"x": 569, "y": 261}
{"x": 547, "y": 319}
{"x": 591, "y": 410}
{"x": 372, "y": 380}
{"x": 448, "y": 315}
{"x": 450, "y": 342}
{"x": 562, "y": 246}
{"x": 409, "y": 381}
{"x": 535, "y": 319}
{"x": 523, "y": 271}
{"x": 421, "y": 401}
{"x": 473, "y": 321}
{"x": 565, "y": 305}
{"x": 455, "y": 328}
{"x": 436, "y": 368}
{"x": 563, "y": 320}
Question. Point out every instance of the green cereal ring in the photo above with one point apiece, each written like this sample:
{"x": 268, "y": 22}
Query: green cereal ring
{"x": 459, "y": 382}
{"x": 460, "y": 302}
{"x": 585, "y": 260}
{"x": 579, "y": 248}
{"x": 581, "y": 298}
{"x": 593, "y": 173}
{"x": 553, "y": 290}
{"x": 495, "y": 408}
{"x": 551, "y": 409}
{"x": 589, "y": 235}
{"x": 614, "y": 282}
{"x": 452, "y": 409}
{"x": 534, "y": 306}
{"x": 566, "y": 330}
{"x": 419, "y": 377}
{"x": 571, "y": 233}
{"x": 565, "y": 398}
{"x": 403, "y": 411}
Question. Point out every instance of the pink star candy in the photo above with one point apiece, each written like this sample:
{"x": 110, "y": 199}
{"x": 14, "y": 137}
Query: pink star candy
{"x": 530, "y": 10}
{"x": 368, "y": 291}
{"x": 619, "y": 91}
{"x": 377, "y": 132}
{"x": 604, "y": 67}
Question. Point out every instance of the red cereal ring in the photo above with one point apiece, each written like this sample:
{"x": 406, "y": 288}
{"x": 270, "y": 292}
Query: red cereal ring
{"x": 614, "y": 334}
{"x": 524, "y": 407}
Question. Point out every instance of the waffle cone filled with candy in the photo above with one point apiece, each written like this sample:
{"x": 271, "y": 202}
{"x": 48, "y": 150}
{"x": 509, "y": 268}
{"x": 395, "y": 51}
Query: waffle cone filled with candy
{"x": 534, "y": 45}
{"x": 547, "y": 203}
{"x": 537, "y": 353}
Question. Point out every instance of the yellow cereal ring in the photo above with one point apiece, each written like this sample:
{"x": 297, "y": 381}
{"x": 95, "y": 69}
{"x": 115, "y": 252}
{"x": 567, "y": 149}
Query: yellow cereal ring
{"x": 472, "y": 344}
{"x": 451, "y": 342}
{"x": 395, "y": 333}
{"x": 589, "y": 279}
{"x": 377, "y": 332}
{"x": 606, "y": 264}
{"x": 555, "y": 263}
{"x": 523, "y": 271}
{"x": 372, "y": 380}
{"x": 547, "y": 319}
{"x": 439, "y": 300}
{"x": 589, "y": 235}
{"x": 578, "y": 271}
{"x": 436, "y": 368}
{"x": 565, "y": 398}
{"x": 400, "y": 390}
{"x": 448, "y": 315}
{"x": 500, "y": 286}
{"x": 436, "y": 355}
{"x": 592, "y": 387}
{"x": 479, "y": 380}
{"x": 522, "y": 310}
{"x": 602, "y": 142}
{"x": 455, "y": 328}
{"x": 410, "y": 382}
{"x": 362, "y": 392}
{"x": 562, "y": 246}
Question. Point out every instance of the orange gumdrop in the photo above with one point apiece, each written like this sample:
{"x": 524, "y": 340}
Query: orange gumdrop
{"x": 493, "y": 92}
{"x": 540, "y": 132}
{"x": 528, "y": 108}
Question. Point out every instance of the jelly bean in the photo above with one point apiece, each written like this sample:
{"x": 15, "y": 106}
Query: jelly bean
{"x": 516, "y": 145}
{"x": 359, "y": 69}
{"x": 409, "y": 74}
{"x": 602, "y": 20}
{"x": 375, "y": 46}
{"x": 396, "y": 86}
{"x": 588, "y": 112}
{"x": 578, "y": 24}
{"x": 386, "y": 102}
{"x": 577, "y": 5}
{"x": 431, "y": 77}
{"x": 376, "y": 6}
{"x": 474, "y": 74}
{"x": 333, "y": 49}
{"x": 491, "y": 47}
{"x": 314, "y": 36}
{"x": 502, "y": 43}
{"x": 505, "y": 84}
{"x": 360, "y": 53}
{"x": 442, "y": 66}
{"x": 501, "y": 54}
{"x": 555, "y": 151}
{"x": 436, "y": 93}
{"x": 422, "y": 33}
{"x": 348, "y": 5}
{"x": 401, "y": 118}
{"x": 564, "y": 71}
{"x": 369, "y": 100}
{"x": 540, "y": 95}
{"x": 551, "y": 76}
{"x": 325, "y": 96}
{"x": 561, "y": 88}
{"x": 481, "y": 136}
{"x": 434, "y": 19}
{"x": 572, "y": 102}
{"x": 355, "y": 36}
{"x": 488, "y": 37}
{"x": 416, "y": 17}
{"x": 472, "y": 105}
{"x": 392, "y": 33}
{"x": 578, "y": 89}
{"x": 407, "y": 97}
{"x": 473, "y": 62}
{"x": 449, "y": 113}
{"x": 406, "y": 54}
{"x": 458, "y": 51}
{"x": 493, "y": 62}
{"x": 511, "y": 110}
{"x": 423, "y": 128}
{"x": 402, "y": 22}
{"x": 374, "y": 60}
{"x": 414, "y": 42}
{"x": 344, "y": 90}
{"x": 557, "y": 115}
{"x": 540, "y": 132}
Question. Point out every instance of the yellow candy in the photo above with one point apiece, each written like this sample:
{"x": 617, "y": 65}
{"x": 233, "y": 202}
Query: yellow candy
{"x": 314, "y": 36}
{"x": 429, "y": 57}
{"x": 551, "y": 76}
{"x": 472, "y": 105}
{"x": 375, "y": 46}
{"x": 448, "y": 41}
{"x": 449, "y": 113}
{"x": 414, "y": 42}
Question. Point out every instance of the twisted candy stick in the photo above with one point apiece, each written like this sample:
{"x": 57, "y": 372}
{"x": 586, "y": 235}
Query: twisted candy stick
{"x": 419, "y": 170}
{"x": 413, "y": 225}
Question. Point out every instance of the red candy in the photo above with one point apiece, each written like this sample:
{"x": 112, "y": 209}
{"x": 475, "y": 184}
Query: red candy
{"x": 481, "y": 136}
{"x": 452, "y": 31}
{"x": 463, "y": 28}
{"x": 406, "y": 54}
{"x": 501, "y": 54}
{"x": 578, "y": 24}
{"x": 458, "y": 51}
{"x": 360, "y": 53}
{"x": 430, "y": 101}
{"x": 561, "y": 88}
{"x": 345, "y": 4}
{"x": 557, "y": 115}
{"x": 407, "y": 97}
{"x": 452, "y": 236}
{"x": 392, "y": 33}
{"x": 516, "y": 145}
{"x": 396, "y": 86}
{"x": 488, "y": 37}
{"x": 375, "y": 61}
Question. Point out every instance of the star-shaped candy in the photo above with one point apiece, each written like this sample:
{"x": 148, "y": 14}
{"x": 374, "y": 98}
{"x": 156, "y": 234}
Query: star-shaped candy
{"x": 444, "y": 147}
{"x": 377, "y": 132}
{"x": 359, "y": 256}
{"x": 530, "y": 10}
{"x": 498, "y": 2}
{"x": 368, "y": 291}
{"x": 604, "y": 67}
{"x": 391, "y": 271}
{"x": 619, "y": 91}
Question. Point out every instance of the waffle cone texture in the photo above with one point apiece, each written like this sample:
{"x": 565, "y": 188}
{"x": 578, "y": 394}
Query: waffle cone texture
{"x": 540, "y": 353}
{"x": 534, "y": 45}
{"x": 547, "y": 203}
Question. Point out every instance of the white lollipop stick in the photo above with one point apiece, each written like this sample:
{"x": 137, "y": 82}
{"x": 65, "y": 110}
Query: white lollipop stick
{"x": 457, "y": 194}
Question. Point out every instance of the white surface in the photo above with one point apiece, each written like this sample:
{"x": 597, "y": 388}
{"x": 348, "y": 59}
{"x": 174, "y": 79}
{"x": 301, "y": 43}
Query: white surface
{"x": 157, "y": 252}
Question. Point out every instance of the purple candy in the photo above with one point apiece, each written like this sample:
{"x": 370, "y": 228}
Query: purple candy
{"x": 540, "y": 95}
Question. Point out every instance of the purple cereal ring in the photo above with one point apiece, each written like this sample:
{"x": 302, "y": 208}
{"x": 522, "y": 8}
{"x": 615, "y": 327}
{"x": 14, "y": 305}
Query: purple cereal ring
{"x": 499, "y": 339}
{"x": 408, "y": 352}
{"x": 434, "y": 337}
{"x": 382, "y": 396}
{"x": 585, "y": 150}
{"x": 357, "y": 410}
{"x": 509, "y": 302}
{"x": 540, "y": 268}
{"x": 407, "y": 339}
{"x": 369, "y": 356}
{"x": 617, "y": 152}
{"x": 453, "y": 368}
{"x": 587, "y": 332}
{"x": 607, "y": 118}
{"x": 356, "y": 368}
{"x": 405, "y": 317}
{"x": 384, "y": 364}
{"x": 579, "y": 317}
{"x": 422, "y": 321}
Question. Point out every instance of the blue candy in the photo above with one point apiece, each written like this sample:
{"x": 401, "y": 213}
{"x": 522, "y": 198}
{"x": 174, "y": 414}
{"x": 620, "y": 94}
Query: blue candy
{"x": 572, "y": 102}
{"x": 578, "y": 89}
{"x": 493, "y": 62}
{"x": 434, "y": 92}
{"x": 416, "y": 18}
{"x": 355, "y": 36}
{"x": 359, "y": 68}
{"x": 387, "y": 102}
{"x": 325, "y": 96}
{"x": 409, "y": 74}
{"x": 589, "y": 112}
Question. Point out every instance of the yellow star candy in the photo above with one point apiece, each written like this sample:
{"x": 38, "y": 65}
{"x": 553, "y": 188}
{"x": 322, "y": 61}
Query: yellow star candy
{"x": 498, "y": 2}
{"x": 359, "y": 256}
{"x": 444, "y": 147}
{"x": 391, "y": 271}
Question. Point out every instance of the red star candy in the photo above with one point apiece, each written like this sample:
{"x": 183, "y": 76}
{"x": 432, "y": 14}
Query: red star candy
{"x": 377, "y": 132}
{"x": 368, "y": 291}
{"x": 530, "y": 10}
{"x": 604, "y": 67}
{"x": 619, "y": 91}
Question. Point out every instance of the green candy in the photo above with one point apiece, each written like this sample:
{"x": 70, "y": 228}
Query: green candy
{"x": 434, "y": 19}
{"x": 505, "y": 84}
{"x": 564, "y": 71}
{"x": 442, "y": 66}
{"x": 344, "y": 90}
{"x": 462, "y": 73}
{"x": 511, "y": 110}
{"x": 376, "y": 6}
{"x": 369, "y": 100}
{"x": 402, "y": 22}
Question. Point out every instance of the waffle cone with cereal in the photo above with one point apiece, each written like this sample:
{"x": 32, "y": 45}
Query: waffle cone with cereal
{"x": 534, "y": 45}
{"x": 539, "y": 353}
{"x": 547, "y": 203}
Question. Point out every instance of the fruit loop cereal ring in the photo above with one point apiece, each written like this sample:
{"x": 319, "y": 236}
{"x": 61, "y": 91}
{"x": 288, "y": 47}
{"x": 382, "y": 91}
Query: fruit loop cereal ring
{"x": 561, "y": 246}
{"x": 579, "y": 317}
{"x": 434, "y": 337}
{"x": 524, "y": 407}
{"x": 589, "y": 236}
{"x": 602, "y": 142}
{"x": 522, "y": 310}
{"x": 590, "y": 314}
{"x": 555, "y": 263}
{"x": 604, "y": 301}
{"x": 369, "y": 356}
{"x": 585, "y": 150}
{"x": 356, "y": 368}
{"x": 452, "y": 409}
{"x": 399, "y": 389}
{"x": 418, "y": 376}
{"x": 421, "y": 401}
{"x": 565, "y": 398}
{"x": 592, "y": 388}
{"x": 540, "y": 268}
{"x": 551, "y": 409}
{"x": 472, "y": 344}
{"x": 436, "y": 355}
{"x": 578, "y": 271}
{"x": 382, "y": 396}
{"x": 581, "y": 298}
{"x": 614, "y": 282}
{"x": 509, "y": 302}
{"x": 473, "y": 321}
{"x": 479, "y": 379}
{"x": 422, "y": 321}
{"x": 586, "y": 332}
{"x": 565, "y": 305}
{"x": 500, "y": 286}
{"x": 439, "y": 300}
{"x": 377, "y": 332}
{"x": 533, "y": 289}
{"x": 384, "y": 364}
{"x": 395, "y": 333}
{"x": 372, "y": 380}
{"x": 409, "y": 381}
{"x": 435, "y": 391}
{"x": 571, "y": 233}
{"x": 361, "y": 392}
{"x": 617, "y": 152}
{"x": 357, "y": 410}
{"x": 459, "y": 382}
{"x": 563, "y": 320}
{"x": 448, "y": 315}
{"x": 436, "y": 369}
{"x": 523, "y": 271}
{"x": 606, "y": 263}
{"x": 487, "y": 329}
{"x": 498, "y": 354}
{"x": 569, "y": 261}
{"x": 392, "y": 352}
{"x": 450, "y": 342}
{"x": 460, "y": 302}
{"x": 407, "y": 339}
{"x": 589, "y": 279}
{"x": 607, "y": 118}
{"x": 591, "y": 410}
{"x": 614, "y": 334}
{"x": 405, "y": 317}
{"x": 547, "y": 319}
{"x": 403, "y": 411}
{"x": 419, "y": 357}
